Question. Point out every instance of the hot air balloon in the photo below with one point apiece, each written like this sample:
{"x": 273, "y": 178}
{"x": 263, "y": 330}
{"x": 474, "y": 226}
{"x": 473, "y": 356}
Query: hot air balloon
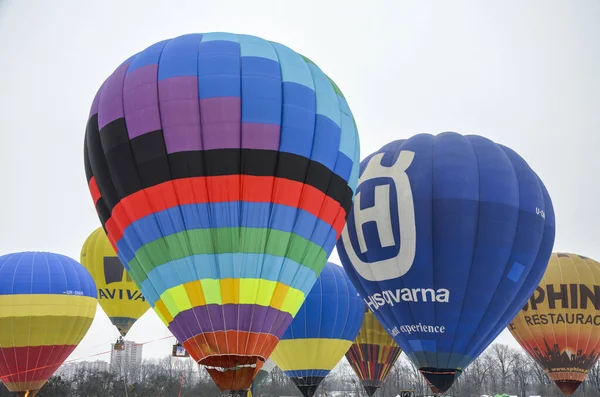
{"x": 47, "y": 304}
{"x": 373, "y": 353}
{"x": 266, "y": 369}
{"x": 322, "y": 331}
{"x": 446, "y": 241}
{"x": 560, "y": 325}
{"x": 222, "y": 167}
{"x": 118, "y": 295}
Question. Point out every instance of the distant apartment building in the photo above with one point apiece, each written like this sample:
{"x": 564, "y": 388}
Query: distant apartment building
{"x": 127, "y": 361}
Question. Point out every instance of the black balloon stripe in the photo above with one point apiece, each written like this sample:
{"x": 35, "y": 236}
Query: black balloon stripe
{"x": 123, "y": 167}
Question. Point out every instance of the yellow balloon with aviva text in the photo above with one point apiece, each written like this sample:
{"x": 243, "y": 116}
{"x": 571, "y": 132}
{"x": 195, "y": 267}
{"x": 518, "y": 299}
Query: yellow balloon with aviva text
{"x": 118, "y": 295}
{"x": 560, "y": 325}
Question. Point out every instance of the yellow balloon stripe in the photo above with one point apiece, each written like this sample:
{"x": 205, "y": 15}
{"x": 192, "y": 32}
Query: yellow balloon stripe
{"x": 29, "y": 385}
{"x": 212, "y": 291}
{"x": 228, "y": 291}
{"x": 43, "y": 330}
{"x": 163, "y": 312}
{"x": 25, "y": 305}
{"x": 309, "y": 354}
{"x": 373, "y": 333}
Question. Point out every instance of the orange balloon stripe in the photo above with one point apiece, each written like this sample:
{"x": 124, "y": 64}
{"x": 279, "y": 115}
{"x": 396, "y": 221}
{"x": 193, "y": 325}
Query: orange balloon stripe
{"x": 230, "y": 343}
{"x": 230, "y": 349}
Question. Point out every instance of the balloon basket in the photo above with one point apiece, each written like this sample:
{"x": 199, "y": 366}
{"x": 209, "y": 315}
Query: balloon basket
{"x": 179, "y": 351}
{"x": 119, "y": 345}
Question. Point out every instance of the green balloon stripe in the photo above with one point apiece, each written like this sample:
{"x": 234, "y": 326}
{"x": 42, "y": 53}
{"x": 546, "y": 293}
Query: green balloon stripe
{"x": 226, "y": 240}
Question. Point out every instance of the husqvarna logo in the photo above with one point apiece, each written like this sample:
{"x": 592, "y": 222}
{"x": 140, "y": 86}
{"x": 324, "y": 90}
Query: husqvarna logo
{"x": 384, "y": 198}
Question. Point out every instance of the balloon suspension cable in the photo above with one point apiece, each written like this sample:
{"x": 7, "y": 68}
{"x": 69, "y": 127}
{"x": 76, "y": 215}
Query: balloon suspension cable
{"x": 77, "y": 359}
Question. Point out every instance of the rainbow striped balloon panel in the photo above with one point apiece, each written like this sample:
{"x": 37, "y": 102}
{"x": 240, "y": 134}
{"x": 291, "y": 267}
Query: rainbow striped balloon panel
{"x": 373, "y": 353}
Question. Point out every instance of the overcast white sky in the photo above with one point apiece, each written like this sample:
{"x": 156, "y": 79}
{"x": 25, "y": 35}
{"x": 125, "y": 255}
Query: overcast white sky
{"x": 523, "y": 73}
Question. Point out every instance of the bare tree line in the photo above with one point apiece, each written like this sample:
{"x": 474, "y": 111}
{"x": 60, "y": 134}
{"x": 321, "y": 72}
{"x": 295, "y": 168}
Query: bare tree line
{"x": 500, "y": 369}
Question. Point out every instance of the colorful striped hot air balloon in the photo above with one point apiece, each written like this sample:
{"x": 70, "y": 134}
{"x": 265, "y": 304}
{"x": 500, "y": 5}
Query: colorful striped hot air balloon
{"x": 560, "y": 325}
{"x": 47, "y": 304}
{"x": 222, "y": 167}
{"x": 373, "y": 353}
{"x": 322, "y": 331}
{"x": 118, "y": 295}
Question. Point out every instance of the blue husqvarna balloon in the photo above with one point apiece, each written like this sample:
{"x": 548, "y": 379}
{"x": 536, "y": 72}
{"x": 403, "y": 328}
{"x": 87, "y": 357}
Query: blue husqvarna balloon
{"x": 448, "y": 238}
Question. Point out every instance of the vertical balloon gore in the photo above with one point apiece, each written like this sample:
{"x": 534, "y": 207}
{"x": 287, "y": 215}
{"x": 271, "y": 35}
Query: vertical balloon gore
{"x": 222, "y": 167}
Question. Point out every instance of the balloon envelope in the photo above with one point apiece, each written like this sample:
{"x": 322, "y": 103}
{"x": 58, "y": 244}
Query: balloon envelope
{"x": 560, "y": 325}
{"x": 222, "y": 167}
{"x": 373, "y": 353}
{"x": 322, "y": 331}
{"x": 47, "y": 304}
{"x": 118, "y": 295}
{"x": 447, "y": 239}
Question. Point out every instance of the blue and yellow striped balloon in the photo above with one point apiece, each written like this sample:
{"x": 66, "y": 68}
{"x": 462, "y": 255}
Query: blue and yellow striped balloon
{"x": 322, "y": 331}
{"x": 47, "y": 304}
